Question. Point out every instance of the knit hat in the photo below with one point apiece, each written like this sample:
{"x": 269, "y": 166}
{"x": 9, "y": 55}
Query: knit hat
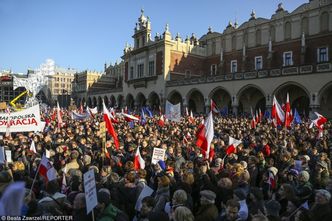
{"x": 306, "y": 157}
{"x": 324, "y": 193}
{"x": 272, "y": 207}
{"x": 244, "y": 164}
{"x": 217, "y": 162}
{"x": 104, "y": 196}
{"x": 306, "y": 175}
{"x": 208, "y": 195}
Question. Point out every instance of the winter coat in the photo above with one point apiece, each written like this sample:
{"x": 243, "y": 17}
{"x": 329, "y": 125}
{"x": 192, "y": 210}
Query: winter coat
{"x": 207, "y": 213}
{"x": 162, "y": 196}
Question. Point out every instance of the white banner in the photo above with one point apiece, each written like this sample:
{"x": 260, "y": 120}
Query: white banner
{"x": 22, "y": 121}
{"x": 173, "y": 112}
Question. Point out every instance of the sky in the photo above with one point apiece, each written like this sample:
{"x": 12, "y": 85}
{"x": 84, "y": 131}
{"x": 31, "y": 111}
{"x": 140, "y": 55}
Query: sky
{"x": 84, "y": 34}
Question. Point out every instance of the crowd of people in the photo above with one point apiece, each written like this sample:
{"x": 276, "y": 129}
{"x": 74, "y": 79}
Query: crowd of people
{"x": 276, "y": 173}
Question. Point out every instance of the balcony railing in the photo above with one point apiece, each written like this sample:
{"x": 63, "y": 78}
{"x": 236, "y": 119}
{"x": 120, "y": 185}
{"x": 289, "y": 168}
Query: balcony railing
{"x": 285, "y": 71}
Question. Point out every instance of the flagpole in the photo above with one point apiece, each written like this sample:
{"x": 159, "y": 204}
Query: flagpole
{"x": 34, "y": 179}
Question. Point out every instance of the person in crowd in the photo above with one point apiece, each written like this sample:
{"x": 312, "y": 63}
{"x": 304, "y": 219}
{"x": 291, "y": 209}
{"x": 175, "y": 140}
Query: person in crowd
{"x": 207, "y": 210}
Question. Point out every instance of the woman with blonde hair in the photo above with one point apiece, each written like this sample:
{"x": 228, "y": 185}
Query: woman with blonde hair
{"x": 182, "y": 213}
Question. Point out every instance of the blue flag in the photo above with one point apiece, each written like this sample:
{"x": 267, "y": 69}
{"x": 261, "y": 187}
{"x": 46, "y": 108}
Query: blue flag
{"x": 224, "y": 111}
{"x": 143, "y": 119}
{"x": 297, "y": 118}
{"x": 267, "y": 114}
{"x": 148, "y": 111}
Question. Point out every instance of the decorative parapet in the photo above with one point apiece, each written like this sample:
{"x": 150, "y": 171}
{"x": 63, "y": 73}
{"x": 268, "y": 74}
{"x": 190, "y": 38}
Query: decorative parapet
{"x": 275, "y": 72}
{"x": 290, "y": 71}
{"x": 306, "y": 69}
{"x": 250, "y": 75}
{"x": 323, "y": 67}
{"x": 262, "y": 74}
{"x": 228, "y": 77}
{"x": 238, "y": 76}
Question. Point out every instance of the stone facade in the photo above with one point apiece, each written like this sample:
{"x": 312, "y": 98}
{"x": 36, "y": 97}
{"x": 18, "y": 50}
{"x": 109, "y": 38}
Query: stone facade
{"x": 241, "y": 68}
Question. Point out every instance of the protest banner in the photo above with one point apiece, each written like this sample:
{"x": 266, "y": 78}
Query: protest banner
{"x": 173, "y": 112}
{"x": 22, "y": 121}
{"x": 158, "y": 154}
{"x": 90, "y": 191}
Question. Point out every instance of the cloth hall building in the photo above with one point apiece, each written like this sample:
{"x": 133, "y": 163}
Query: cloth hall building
{"x": 241, "y": 68}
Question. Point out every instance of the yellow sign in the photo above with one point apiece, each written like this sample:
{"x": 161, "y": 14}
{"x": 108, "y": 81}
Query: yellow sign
{"x": 102, "y": 129}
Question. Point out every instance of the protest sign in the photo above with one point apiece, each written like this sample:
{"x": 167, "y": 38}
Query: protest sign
{"x": 90, "y": 191}
{"x": 21, "y": 121}
{"x": 173, "y": 112}
{"x": 8, "y": 156}
{"x": 158, "y": 154}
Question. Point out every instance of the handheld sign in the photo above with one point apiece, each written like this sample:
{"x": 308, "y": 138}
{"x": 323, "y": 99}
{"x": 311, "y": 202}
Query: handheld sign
{"x": 90, "y": 191}
{"x": 158, "y": 154}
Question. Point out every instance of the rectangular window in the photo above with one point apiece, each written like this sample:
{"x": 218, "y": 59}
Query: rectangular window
{"x": 151, "y": 68}
{"x": 322, "y": 54}
{"x": 131, "y": 76}
{"x": 233, "y": 66}
{"x": 258, "y": 63}
{"x": 140, "y": 70}
{"x": 213, "y": 69}
{"x": 187, "y": 74}
{"x": 288, "y": 58}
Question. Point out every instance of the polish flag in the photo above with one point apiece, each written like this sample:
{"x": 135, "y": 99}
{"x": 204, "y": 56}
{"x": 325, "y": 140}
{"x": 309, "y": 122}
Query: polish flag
{"x": 33, "y": 147}
{"x": 205, "y": 135}
{"x": 272, "y": 180}
{"x": 278, "y": 115}
{"x": 92, "y": 111}
{"x": 129, "y": 118}
{"x": 112, "y": 116}
{"x": 253, "y": 120}
{"x": 214, "y": 108}
{"x": 161, "y": 121}
{"x": 319, "y": 121}
{"x": 139, "y": 162}
{"x": 232, "y": 144}
{"x": 110, "y": 127}
{"x": 47, "y": 170}
{"x": 260, "y": 115}
{"x": 59, "y": 115}
{"x": 191, "y": 117}
{"x": 287, "y": 112}
{"x": 257, "y": 117}
{"x": 187, "y": 112}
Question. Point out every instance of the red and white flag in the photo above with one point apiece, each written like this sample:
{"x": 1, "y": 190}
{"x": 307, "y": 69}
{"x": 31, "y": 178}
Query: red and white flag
{"x": 253, "y": 120}
{"x": 47, "y": 170}
{"x": 33, "y": 147}
{"x": 161, "y": 121}
{"x": 319, "y": 121}
{"x": 110, "y": 127}
{"x": 191, "y": 117}
{"x": 129, "y": 118}
{"x": 59, "y": 115}
{"x": 205, "y": 135}
{"x": 139, "y": 162}
{"x": 81, "y": 109}
{"x": 187, "y": 112}
{"x": 232, "y": 144}
{"x": 91, "y": 111}
{"x": 288, "y": 116}
{"x": 214, "y": 108}
{"x": 278, "y": 115}
{"x": 260, "y": 115}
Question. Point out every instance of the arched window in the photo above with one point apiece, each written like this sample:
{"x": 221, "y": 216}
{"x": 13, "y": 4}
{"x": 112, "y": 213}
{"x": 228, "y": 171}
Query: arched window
{"x": 324, "y": 22}
{"x": 258, "y": 37}
{"x": 288, "y": 30}
{"x": 305, "y": 26}
{"x": 234, "y": 42}
{"x": 273, "y": 33}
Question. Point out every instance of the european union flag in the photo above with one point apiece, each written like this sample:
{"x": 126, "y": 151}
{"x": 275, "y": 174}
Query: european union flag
{"x": 297, "y": 118}
{"x": 224, "y": 111}
{"x": 148, "y": 111}
{"x": 143, "y": 119}
{"x": 267, "y": 114}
